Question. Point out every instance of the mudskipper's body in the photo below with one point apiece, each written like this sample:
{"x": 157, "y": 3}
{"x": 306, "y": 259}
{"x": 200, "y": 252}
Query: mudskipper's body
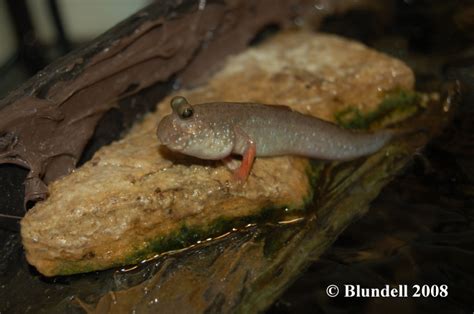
{"x": 218, "y": 130}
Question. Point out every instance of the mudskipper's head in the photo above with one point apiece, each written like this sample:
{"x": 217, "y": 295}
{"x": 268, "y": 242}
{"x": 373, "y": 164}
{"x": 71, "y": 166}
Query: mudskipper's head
{"x": 193, "y": 131}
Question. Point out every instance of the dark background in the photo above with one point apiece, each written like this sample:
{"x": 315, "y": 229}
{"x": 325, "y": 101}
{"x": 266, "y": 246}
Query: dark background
{"x": 420, "y": 230}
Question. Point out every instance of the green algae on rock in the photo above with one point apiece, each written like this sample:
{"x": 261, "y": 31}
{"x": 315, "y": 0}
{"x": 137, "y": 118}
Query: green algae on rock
{"x": 396, "y": 105}
{"x": 186, "y": 236}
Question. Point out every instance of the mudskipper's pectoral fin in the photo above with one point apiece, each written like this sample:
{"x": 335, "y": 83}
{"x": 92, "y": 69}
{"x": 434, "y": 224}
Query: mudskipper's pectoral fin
{"x": 243, "y": 172}
{"x": 249, "y": 151}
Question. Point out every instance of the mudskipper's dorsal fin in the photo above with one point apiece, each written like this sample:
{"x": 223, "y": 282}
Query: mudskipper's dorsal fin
{"x": 280, "y": 107}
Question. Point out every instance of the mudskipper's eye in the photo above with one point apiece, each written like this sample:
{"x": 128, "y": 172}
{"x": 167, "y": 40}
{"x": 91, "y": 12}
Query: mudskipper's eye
{"x": 186, "y": 113}
{"x": 181, "y": 106}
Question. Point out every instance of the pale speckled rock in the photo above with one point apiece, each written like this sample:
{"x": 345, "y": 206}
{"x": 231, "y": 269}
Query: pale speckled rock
{"x": 133, "y": 192}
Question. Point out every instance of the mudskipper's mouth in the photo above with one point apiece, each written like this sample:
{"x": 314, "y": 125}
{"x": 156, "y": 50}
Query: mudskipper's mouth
{"x": 172, "y": 145}
{"x": 175, "y": 147}
{"x": 169, "y": 141}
